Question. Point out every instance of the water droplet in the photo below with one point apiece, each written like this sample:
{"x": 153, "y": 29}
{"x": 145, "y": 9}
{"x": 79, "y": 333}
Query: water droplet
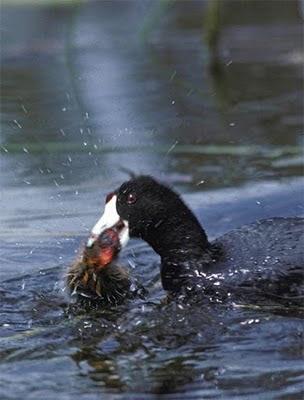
{"x": 172, "y": 147}
{"x": 172, "y": 75}
{"x": 23, "y": 108}
{"x": 17, "y": 123}
{"x": 87, "y": 324}
{"x": 200, "y": 182}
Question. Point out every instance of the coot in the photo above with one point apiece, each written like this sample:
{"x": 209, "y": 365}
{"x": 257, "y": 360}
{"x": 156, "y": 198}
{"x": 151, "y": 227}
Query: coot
{"x": 265, "y": 257}
{"x": 96, "y": 274}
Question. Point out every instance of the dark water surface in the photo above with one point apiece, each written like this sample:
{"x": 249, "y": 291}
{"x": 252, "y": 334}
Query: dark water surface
{"x": 91, "y": 88}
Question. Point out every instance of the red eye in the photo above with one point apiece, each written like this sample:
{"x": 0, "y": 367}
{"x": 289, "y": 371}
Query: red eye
{"x": 131, "y": 199}
{"x": 109, "y": 197}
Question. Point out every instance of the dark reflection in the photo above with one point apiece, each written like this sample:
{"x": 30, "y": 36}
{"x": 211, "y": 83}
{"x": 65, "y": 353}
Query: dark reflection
{"x": 102, "y": 370}
{"x": 168, "y": 380}
{"x": 124, "y": 358}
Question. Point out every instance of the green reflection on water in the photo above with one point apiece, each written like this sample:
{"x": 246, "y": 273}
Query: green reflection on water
{"x": 243, "y": 150}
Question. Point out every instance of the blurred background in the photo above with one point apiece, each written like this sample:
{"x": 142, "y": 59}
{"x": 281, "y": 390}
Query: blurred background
{"x": 204, "y": 95}
{"x": 189, "y": 91}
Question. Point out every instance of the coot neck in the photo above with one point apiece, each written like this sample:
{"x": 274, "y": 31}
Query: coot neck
{"x": 177, "y": 238}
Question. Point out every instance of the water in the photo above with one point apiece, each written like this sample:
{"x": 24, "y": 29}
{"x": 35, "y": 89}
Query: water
{"x": 93, "y": 88}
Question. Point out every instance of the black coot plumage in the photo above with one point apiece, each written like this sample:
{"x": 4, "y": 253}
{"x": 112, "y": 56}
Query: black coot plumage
{"x": 266, "y": 256}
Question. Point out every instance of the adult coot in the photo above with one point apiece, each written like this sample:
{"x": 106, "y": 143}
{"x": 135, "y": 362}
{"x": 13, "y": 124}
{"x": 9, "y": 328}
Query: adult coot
{"x": 266, "y": 256}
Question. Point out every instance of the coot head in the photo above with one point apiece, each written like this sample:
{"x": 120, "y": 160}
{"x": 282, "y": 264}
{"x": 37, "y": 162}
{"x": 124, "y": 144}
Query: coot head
{"x": 155, "y": 213}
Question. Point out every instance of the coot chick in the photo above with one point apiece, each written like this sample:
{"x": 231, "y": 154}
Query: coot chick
{"x": 266, "y": 256}
{"x": 96, "y": 275}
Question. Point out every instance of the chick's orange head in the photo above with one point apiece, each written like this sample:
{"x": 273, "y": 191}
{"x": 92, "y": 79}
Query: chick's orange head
{"x": 104, "y": 250}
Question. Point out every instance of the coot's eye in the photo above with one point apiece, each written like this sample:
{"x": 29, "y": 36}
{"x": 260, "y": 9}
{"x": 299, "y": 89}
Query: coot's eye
{"x": 131, "y": 198}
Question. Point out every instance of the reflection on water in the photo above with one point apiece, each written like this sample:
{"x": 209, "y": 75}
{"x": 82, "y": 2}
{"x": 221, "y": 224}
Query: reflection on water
{"x": 92, "y": 89}
{"x": 142, "y": 347}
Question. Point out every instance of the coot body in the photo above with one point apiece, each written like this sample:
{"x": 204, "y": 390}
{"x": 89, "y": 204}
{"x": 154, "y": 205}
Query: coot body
{"x": 262, "y": 259}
